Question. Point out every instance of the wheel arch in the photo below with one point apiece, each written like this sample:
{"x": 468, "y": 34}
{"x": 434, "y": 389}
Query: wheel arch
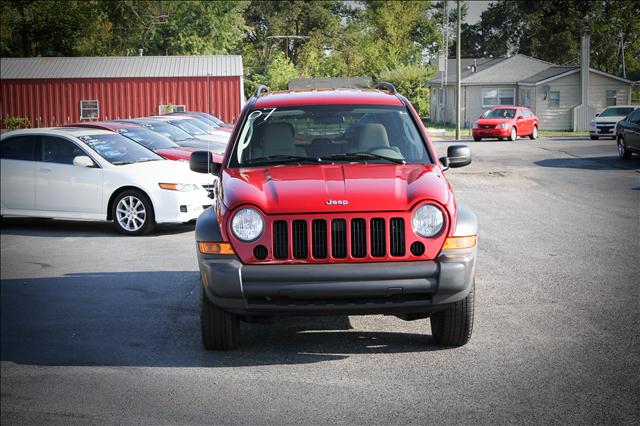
{"x": 120, "y": 190}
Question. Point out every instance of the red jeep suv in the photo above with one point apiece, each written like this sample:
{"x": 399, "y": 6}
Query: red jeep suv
{"x": 334, "y": 202}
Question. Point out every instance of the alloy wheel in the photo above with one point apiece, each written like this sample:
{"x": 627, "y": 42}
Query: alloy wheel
{"x": 130, "y": 213}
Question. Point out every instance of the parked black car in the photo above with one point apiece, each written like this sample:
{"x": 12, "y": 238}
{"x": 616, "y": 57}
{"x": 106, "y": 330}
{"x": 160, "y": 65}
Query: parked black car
{"x": 628, "y": 135}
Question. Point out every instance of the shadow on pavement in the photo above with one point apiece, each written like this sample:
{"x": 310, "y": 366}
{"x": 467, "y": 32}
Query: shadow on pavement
{"x": 151, "y": 319}
{"x": 592, "y": 163}
{"x": 34, "y": 227}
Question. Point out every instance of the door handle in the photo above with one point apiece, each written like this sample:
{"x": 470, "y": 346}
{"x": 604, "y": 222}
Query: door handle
{"x": 45, "y": 170}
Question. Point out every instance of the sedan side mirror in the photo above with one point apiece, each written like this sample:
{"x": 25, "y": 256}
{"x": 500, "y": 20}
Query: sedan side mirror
{"x": 83, "y": 161}
{"x": 457, "y": 156}
{"x": 202, "y": 162}
{"x": 597, "y": 114}
{"x": 520, "y": 117}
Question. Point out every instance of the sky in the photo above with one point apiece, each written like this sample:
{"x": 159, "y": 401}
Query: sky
{"x": 476, "y": 7}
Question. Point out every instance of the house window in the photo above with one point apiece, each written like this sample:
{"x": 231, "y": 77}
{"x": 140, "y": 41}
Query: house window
{"x": 495, "y": 97}
{"x": 440, "y": 96}
{"x": 89, "y": 109}
{"x": 554, "y": 99}
{"x": 611, "y": 98}
{"x": 163, "y": 109}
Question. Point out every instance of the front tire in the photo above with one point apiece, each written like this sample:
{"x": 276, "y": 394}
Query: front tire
{"x": 513, "y": 135}
{"x": 218, "y": 327}
{"x": 534, "y": 133}
{"x": 477, "y": 139}
{"x": 132, "y": 213}
{"x": 623, "y": 152}
{"x": 454, "y": 325}
{"x": 594, "y": 138}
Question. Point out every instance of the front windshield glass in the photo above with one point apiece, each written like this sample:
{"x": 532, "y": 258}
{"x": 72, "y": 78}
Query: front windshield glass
{"x": 188, "y": 127}
{"x": 612, "y": 112}
{"x": 172, "y": 132}
{"x": 500, "y": 113}
{"x": 147, "y": 138}
{"x": 327, "y": 134}
{"x": 201, "y": 124}
{"x": 118, "y": 150}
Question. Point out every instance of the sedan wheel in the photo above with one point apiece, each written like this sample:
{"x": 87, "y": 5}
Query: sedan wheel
{"x": 513, "y": 135}
{"x": 623, "y": 152}
{"x": 133, "y": 213}
{"x": 534, "y": 133}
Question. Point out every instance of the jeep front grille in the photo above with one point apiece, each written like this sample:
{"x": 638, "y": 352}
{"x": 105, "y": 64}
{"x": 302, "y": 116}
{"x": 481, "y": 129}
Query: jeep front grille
{"x": 380, "y": 230}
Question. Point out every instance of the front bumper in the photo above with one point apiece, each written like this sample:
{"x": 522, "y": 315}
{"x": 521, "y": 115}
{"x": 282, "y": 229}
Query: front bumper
{"x": 363, "y": 288}
{"x": 603, "y": 130}
{"x": 491, "y": 133}
{"x": 177, "y": 206}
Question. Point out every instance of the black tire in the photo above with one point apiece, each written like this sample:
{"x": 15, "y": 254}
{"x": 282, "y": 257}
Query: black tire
{"x": 513, "y": 135}
{"x": 148, "y": 219}
{"x": 534, "y": 133}
{"x": 594, "y": 138}
{"x": 454, "y": 325}
{"x": 500, "y": 139}
{"x": 477, "y": 139}
{"x": 623, "y": 152}
{"x": 219, "y": 328}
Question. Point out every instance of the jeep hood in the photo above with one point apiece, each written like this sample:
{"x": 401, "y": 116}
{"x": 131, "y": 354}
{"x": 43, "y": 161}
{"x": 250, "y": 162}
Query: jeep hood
{"x": 334, "y": 188}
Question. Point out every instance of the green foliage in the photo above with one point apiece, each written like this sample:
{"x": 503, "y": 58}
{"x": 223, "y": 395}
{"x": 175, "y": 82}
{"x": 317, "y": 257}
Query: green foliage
{"x": 279, "y": 72}
{"x": 410, "y": 81}
{"x": 13, "y": 123}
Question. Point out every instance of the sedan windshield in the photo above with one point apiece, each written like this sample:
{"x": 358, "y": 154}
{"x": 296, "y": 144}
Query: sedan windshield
{"x": 148, "y": 138}
{"x": 500, "y": 113}
{"x": 619, "y": 112}
{"x": 329, "y": 134}
{"x": 118, "y": 150}
{"x": 188, "y": 127}
{"x": 172, "y": 132}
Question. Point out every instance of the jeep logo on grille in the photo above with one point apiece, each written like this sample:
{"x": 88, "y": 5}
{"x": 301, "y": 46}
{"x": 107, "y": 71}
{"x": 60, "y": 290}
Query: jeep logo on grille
{"x": 337, "y": 202}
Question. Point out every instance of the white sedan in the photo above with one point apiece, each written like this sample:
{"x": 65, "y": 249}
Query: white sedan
{"x": 78, "y": 173}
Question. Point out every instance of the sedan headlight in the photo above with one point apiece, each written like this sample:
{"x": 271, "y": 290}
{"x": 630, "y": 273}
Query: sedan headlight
{"x": 593, "y": 122}
{"x": 247, "y": 224}
{"x": 427, "y": 220}
{"x": 183, "y": 187}
{"x": 502, "y": 125}
{"x": 475, "y": 125}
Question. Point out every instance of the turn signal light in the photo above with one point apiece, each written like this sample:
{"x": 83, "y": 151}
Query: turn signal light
{"x": 460, "y": 243}
{"x": 215, "y": 248}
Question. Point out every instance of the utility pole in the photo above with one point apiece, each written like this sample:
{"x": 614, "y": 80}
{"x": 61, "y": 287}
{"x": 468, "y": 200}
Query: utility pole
{"x": 446, "y": 59}
{"x": 458, "y": 75}
{"x": 624, "y": 68}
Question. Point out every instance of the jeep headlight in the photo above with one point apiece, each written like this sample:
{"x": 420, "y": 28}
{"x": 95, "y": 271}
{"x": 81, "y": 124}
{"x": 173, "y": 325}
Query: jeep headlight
{"x": 427, "y": 220}
{"x": 247, "y": 224}
{"x": 502, "y": 125}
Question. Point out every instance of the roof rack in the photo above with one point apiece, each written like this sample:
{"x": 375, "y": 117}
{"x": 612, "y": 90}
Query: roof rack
{"x": 261, "y": 90}
{"x": 383, "y": 85}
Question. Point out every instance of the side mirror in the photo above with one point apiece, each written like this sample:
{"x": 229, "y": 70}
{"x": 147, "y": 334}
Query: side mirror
{"x": 458, "y": 156}
{"x": 597, "y": 114}
{"x": 83, "y": 161}
{"x": 202, "y": 162}
{"x": 520, "y": 117}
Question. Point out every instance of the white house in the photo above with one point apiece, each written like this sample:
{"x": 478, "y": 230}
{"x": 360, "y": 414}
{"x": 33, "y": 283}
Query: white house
{"x": 556, "y": 94}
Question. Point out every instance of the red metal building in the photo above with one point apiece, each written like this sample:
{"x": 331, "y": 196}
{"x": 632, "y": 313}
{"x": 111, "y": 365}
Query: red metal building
{"x": 57, "y": 91}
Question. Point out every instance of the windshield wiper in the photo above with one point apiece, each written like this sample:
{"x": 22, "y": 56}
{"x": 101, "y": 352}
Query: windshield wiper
{"x": 285, "y": 159}
{"x": 120, "y": 163}
{"x": 142, "y": 160}
{"x": 363, "y": 156}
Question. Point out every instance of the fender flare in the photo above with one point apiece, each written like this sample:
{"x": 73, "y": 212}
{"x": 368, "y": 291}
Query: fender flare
{"x": 207, "y": 227}
{"x": 466, "y": 222}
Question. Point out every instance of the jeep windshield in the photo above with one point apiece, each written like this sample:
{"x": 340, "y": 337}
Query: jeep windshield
{"x": 329, "y": 134}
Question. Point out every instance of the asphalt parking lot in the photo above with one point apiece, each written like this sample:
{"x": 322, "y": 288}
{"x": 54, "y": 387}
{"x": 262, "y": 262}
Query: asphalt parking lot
{"x": 97, "y": 327}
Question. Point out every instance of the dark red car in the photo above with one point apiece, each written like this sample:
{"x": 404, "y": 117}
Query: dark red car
{"x": 157, "y": 143}
{"x": 334, "y": 202}
{"x": 506, "y": 122}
